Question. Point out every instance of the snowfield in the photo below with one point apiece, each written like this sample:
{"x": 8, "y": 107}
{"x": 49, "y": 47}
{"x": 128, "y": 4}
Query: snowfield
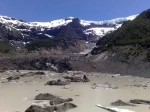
{"x": 99, "y": 28}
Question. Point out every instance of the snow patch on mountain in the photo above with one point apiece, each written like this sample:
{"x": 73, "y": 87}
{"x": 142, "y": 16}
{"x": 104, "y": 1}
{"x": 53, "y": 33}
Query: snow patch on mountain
{"x": 98, "y": 31}
{"x": 11, "y": 21}
{"x": 99, "y": 28}
{"x": 110, "y": 25}
{"x": 49, "y": 36}
{"x": 108, "y": 22}
{"x": 52, "y": 24}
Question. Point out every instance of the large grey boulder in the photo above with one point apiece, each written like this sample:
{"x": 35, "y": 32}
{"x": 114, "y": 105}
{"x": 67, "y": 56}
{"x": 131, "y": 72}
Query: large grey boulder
{"x": 59, "y": 101}
{"x": 121, "y": 103}
{"x": 59, "y": 108}
{"x": 58, "y": 82}
{"x": 45, "y": 96}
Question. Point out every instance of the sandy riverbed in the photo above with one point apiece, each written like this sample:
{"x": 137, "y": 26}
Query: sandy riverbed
{"x": 17, "y": 96}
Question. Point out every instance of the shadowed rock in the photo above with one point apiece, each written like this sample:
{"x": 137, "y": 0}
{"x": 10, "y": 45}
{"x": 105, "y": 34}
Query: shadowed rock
{"x": 60, "y": 108}
{"x": 35, "y": 108}
{"x": 39, "y": 73}
{"x": 85, "y": 79}
{"x": 45, "y": 96}
{"x": 74, "y": 78}
{"x": 138, "y": 101}
{"x": 121, "y": 103}
{"x": 59, "y": 101}
{"x": 77, "y": 78}
{"x": 58, "y": 82}
{"x": 13, "y": 78}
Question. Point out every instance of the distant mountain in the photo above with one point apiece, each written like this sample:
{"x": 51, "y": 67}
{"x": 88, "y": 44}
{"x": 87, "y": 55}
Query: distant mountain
{"x": 99, "y": 28}
{"x": 71, "y": 29}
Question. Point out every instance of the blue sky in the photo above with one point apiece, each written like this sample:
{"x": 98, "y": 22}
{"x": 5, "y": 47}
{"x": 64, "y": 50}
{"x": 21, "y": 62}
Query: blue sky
{"x": 47, "y": 10}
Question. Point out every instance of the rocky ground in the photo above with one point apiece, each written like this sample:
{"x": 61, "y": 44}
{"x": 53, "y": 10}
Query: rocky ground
{"x": 47, "y": 91}
{"x": 59, "y": 62}
{"x": 108, "y": 62}
{"x": 104, "y": 63}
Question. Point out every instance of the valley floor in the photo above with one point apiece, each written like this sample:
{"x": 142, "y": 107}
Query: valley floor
{"x": 18, "y": 95}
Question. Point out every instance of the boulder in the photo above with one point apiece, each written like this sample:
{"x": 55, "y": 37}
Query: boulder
{"x": 138, "y": 101}
{"x": 65, "y": 107}
{"x": 59, "y": 108}
{"x": 13, "y": 78}
{"x": 121, "y": 103}
{"x": 35, "y": 108}
{"x": 77, "y": 78}
{"x": 58, "y": 82}
{"x": 85, "y": 79}
{"x": 59, "y": 101}
{"x": 74, "y": 78}
{"x": 45, "y": 96}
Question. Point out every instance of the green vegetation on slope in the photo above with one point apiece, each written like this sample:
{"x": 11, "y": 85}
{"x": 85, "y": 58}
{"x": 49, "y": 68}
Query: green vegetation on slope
{"x": 61, "y": 40}
{"x": 5, "y": 47}
{"x": 131, "y": 40}
{"x": 136, "y": 32}
{"x": 36, "y": 44}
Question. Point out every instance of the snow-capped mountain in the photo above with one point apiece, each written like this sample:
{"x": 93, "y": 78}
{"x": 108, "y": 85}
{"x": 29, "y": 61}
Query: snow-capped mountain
{"x": 96, "y": 28}
{"x": 103, "y": 27}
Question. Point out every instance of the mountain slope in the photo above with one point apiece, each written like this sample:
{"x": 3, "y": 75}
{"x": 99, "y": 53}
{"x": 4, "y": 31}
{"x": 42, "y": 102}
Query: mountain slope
{"x": 124, "y": 51}
{"x": 66, "y": 33}
{"x": 105, "y": 26}
{"x": 134, "y": 33}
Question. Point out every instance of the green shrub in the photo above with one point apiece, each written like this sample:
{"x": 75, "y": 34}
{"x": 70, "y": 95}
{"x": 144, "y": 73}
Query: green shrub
{"x": 36, "y": 44}
{"x": 5, "y": 47}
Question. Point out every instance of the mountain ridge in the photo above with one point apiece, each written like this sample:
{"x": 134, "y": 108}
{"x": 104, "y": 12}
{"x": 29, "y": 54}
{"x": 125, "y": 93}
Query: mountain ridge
{"x": 60, "y": 22}
{"x": 71, "y": 32}
{"x": 125, "y": 51}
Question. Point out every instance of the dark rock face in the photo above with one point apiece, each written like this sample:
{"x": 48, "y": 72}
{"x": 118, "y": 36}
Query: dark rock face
{"x": 58, "y": 82}
{"x": 63, "y": 66}
{"x": 45, "y": 96}
{"x": 12, "y": 34}
{"x": 121, "y": 103}
{"x": 138, "y": 101}
{"x": 59, "y": 101}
